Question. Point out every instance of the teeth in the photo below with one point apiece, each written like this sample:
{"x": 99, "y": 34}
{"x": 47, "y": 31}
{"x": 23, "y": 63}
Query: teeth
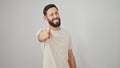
{"x": 56, "y": 19}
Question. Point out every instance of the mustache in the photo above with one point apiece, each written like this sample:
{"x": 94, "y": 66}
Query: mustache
{"x": 56, "y": 19}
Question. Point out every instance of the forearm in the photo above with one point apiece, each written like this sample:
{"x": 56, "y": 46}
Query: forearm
{"x": 71, "y": 60}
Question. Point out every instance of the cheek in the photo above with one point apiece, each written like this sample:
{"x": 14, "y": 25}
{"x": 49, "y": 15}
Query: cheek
{"x": 49, "y": 19}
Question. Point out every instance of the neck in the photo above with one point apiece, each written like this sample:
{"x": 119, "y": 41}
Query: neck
{"x": 54, "y": 28}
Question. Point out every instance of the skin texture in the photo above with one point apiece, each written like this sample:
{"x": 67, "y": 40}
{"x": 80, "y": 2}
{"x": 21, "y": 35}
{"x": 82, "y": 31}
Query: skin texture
{"x": 53, "y": 15}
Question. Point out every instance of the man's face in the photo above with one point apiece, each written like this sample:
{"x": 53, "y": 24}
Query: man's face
{"x": 53, "y": 17}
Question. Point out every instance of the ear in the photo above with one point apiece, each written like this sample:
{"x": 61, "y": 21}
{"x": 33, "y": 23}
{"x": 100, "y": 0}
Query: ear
{"x": 45, "y": 18}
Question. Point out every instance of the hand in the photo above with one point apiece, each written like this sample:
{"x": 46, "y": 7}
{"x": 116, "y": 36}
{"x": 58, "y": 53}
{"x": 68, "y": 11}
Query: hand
{"x": 44, "y": 35}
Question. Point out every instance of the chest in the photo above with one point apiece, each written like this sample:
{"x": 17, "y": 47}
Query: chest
{"x": 60, "y": 40}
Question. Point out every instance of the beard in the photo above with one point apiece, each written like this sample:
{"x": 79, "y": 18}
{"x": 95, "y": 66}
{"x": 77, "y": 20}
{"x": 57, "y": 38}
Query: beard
{"x": 56, "y": 24}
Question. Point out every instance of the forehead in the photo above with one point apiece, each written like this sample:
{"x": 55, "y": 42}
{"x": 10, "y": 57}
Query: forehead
{"x": 52, "y": 10}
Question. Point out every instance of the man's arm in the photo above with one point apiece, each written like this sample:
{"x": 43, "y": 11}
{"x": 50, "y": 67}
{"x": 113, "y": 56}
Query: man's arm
{"x": 71, "y": 59}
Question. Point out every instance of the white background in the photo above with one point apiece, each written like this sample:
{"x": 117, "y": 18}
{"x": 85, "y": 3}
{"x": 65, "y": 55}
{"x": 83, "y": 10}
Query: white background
{"x": 94, "y": 26}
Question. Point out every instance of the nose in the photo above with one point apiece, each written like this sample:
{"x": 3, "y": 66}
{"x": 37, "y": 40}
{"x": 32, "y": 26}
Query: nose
{"x": 55, "y": 16}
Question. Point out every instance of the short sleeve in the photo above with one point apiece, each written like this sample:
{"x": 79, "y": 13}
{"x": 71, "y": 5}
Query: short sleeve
{"x": 70, "y": 42}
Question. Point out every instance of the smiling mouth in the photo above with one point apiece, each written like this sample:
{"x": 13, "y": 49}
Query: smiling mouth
{"x": 56, "y": 20}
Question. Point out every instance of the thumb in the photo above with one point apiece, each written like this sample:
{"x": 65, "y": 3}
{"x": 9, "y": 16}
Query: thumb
{"x": 48, "y": 32}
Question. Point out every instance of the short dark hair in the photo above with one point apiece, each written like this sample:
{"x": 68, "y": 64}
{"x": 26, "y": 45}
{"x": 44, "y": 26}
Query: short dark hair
{"x": 48, "y": 7}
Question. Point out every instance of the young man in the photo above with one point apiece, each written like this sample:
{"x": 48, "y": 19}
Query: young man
{"x": 56, "y": 42}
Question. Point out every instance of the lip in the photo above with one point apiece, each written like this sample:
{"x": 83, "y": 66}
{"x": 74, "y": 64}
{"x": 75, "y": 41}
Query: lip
{"x": 56, "y": 20}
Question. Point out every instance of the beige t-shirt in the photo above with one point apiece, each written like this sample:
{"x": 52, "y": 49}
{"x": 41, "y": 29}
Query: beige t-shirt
{"x": 55, "y": 50}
